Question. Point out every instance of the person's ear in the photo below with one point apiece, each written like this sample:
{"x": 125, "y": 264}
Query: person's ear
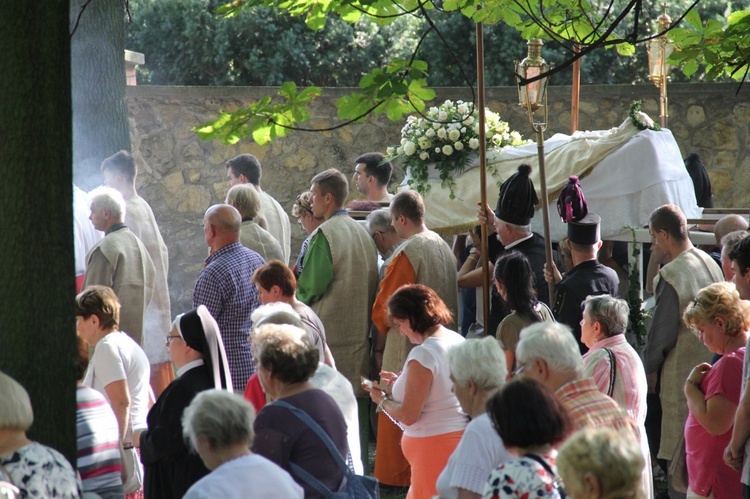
{"x": 591, "y": 486}
{"x": 721, "y": 322}
{"x": 243, "y": 178}
{"x": 275, "y": 291}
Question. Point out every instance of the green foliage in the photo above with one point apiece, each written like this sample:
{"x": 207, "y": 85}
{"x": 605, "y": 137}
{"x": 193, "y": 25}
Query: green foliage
{"x": 720, "y": 48}
{"x": 263, "y": 120}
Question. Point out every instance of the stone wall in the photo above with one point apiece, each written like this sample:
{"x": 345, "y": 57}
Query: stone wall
{"x": 181, "y": 176}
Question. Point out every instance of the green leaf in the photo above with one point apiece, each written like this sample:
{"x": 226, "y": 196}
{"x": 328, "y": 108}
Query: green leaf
{"x": 694, "y": 19}
{"x": 626, "y": 49}
{"x": 690, "y": 67}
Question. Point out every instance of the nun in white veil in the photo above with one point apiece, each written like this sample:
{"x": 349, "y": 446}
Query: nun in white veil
{"x": 197, "y": 351}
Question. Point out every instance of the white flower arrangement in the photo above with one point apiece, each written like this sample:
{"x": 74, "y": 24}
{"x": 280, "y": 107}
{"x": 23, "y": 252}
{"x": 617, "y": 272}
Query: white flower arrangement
{"x": 446, "y": 138}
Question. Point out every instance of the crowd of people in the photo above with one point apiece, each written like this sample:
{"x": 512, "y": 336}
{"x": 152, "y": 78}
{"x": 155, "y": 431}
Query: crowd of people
{"x": 273, "y": 384}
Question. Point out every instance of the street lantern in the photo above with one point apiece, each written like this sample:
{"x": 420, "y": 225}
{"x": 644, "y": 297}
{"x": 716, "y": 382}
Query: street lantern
{"x": 532, "y": 96}
{"x": 659, "y": 50}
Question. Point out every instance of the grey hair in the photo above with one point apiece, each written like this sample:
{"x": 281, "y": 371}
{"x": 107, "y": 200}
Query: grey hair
{"x": 518, "y": 229}
{"x": 275, "y": 313}
{"x": 479, "y": 360}
{"x": 729, "y": 240}
{"x": 610, "y": 312}
{"x": 379, "y": 220}
{"x": 221, "y": 418}
{"x": 245, "y": 198}
{"x": 15, "y": 409}
{"x": 553, "y": 343}
{"x": 109, "y": 199}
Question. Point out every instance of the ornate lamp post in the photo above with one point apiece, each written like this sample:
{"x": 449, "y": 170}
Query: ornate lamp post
{"x": 533, "y": 97}
{"x": 659, "y": 50}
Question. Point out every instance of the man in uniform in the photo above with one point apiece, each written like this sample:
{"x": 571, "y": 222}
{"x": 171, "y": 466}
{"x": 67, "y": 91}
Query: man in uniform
{"x": 339, "y": 281}
{"x": 587, "y": 277}
{"x": 672, "y": 350}
{"x": 120, "y": 261}
{"x": 424, "y": 258}
{"x": 246, "y": 168}
{"x": 120, "y": 172}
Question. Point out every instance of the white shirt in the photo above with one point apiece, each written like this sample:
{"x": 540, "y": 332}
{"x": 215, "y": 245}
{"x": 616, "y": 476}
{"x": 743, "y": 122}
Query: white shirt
{"x": 441, "y": 412}
{"x": 478, "y": 453}
{"x": 118, "y": 357}
{"x": 248, "y": 476}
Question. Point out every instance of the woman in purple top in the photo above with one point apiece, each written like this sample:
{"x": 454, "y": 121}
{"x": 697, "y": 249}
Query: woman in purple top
{"x": 722, "y": 319}
{"x": 287, "y": 359}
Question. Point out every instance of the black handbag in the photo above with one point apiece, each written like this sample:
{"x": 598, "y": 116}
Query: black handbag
{"x": 352, "y": 486}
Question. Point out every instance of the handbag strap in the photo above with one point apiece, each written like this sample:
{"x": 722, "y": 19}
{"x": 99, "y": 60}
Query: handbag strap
{"x": 612, "y": 371}
{"x": 315, "y": 427}
{"x": 543, "y": 463}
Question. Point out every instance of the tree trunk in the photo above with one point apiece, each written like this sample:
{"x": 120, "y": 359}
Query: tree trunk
{"x": 97, "y": 51}
{"x": 37, "y": 326}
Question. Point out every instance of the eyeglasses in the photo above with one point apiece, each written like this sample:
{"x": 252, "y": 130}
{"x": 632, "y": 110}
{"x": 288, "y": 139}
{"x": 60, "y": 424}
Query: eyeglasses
{"x": 518, "y": 369}
{"x": 170, "y": 338}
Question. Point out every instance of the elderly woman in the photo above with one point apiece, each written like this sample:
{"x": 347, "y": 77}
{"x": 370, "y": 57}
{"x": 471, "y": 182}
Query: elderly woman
{"x": 722, "y": 319}
{"x": 196, "y": 350}
{"x": 421, "y": 398}
{"x": 530, "y": 421}
{"x": 514, "y": 281}
{"x": 302, "y": 211}
{"x": 245, "y": 198}
{"x": 477, "y": 371}
{"x": 601, "y": 462}
{"x": 119, "y": 370}
{"x": 286, "y": 359}
{"x": 35, "y": 469}
{"x": 219, "y": 426}
{"x": 615, "y": 366}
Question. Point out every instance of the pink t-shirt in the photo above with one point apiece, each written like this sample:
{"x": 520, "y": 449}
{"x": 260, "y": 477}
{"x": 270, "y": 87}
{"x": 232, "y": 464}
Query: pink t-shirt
{"x": 708, "y": 473}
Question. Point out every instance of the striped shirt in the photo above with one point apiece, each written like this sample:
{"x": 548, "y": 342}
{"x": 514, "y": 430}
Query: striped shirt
{"x": 225, "y": 287}
{"x": 98, "y": 458}
{"x": 590, "y": 408}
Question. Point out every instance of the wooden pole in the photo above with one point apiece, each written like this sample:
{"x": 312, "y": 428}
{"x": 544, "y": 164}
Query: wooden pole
{"x": 539, "y": 129}
{"x": 576, "y": 97}
{"x": 483, "y": 175}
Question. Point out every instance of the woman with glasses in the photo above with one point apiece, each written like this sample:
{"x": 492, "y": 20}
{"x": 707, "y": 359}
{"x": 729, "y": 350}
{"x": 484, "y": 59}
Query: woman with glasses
{"x": 722, "y": 321}
{"x": 119, "y": 370}
{"x": 197, "y": 351}
{"x": 615, "y": 366}
{"x": 302, "y": 211}
{"x": 531, "y": 422}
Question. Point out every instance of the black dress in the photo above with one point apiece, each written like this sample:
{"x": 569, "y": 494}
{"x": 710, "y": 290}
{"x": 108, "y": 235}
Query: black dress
{"x": 169, "y": 467}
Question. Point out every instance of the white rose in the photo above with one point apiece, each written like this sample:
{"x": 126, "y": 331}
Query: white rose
{"x": 468, "y": 121}
{"x": 463, "y": 129}
{"x": 410, "y": 148}
{"x": 430, "y": 133}
{"x": 400, "y": 150}
{"x": 436, "y": 125}
{"x": 424, "y": 155}
{"x": 458, "y": 146}
{"x": 424, "y": 143}
{"x": 462, "y": 109}
{"x": 454, "y": 135}
{"x": 447, "y": 150}
{"x": 443, "y": 116}
{"x": 437, "y": 149}
{"x": 441, "y": 133}
{"x": 390, "y": 150}
{"x": 403, "y": 141}
{"x": 474, "y": 143}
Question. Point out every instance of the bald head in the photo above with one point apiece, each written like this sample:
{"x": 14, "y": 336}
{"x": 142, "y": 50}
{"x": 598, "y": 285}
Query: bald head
{"x": 221, "y": 226}
{"x": 727, "y": 224}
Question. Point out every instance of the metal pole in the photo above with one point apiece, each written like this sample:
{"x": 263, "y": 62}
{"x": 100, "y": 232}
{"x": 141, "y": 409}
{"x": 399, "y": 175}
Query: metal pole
{"x": 539, "y": 129}
{"x": 483, "y": 176}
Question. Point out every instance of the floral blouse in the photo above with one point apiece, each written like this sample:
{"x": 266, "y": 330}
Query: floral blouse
{"x": 39, "y": 471}
{"x": 523, "y": 478}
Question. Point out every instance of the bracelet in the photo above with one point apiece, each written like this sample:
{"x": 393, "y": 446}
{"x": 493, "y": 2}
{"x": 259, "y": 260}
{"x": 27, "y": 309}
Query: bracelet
{"x": 382, "y": 409}
{"x": 694, "y": 383}
{"x": 382, "y": 401}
